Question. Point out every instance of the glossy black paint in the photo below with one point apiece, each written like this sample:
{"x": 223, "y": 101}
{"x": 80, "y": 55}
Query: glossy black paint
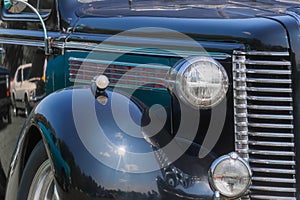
{"x": 236, "y": 30}
{"x": 78, "y": 173}
{"x": 293, "y": 30}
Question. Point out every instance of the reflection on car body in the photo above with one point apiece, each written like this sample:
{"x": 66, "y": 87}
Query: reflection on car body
{"x": 25, "y": 89}
{"x": 157, "y": 99}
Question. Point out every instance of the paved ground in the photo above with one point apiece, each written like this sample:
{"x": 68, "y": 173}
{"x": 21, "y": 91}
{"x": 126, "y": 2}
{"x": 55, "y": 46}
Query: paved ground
{"x": 8, "y": 137}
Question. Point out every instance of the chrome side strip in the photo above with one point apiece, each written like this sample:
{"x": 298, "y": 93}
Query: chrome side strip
{"x": 35, "y": 43}
{"x": 107, "y": 63}
{"x": 143, "y": 51}
{"x": 29, "y": 42}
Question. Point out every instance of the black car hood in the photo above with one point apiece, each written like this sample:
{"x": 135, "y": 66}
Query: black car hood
{"x": 245, "y": 22}
{"x": 183, "y": 9}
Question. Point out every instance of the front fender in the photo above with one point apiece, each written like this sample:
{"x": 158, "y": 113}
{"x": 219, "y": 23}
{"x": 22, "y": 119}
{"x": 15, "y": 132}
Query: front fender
{"x": 96, "y": 151}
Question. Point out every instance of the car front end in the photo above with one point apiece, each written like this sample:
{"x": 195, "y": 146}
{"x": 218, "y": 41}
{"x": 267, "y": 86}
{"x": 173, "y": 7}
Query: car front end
{"x": 193, "y": 102}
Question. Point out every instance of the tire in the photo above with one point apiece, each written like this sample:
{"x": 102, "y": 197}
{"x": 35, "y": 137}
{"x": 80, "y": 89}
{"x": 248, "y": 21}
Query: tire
{"x": 14, "y": 106}
{"x": 2, "y": 182}
{"x": 37, "y": 181}
{"x": 27, "y": 106}
{"x": 9, "y": 120}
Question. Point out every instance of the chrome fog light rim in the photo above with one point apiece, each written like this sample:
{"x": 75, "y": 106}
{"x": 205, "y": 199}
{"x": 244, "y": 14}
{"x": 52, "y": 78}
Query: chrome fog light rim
{"x": 243, "y": 168}
{"x": 201, "y": 81}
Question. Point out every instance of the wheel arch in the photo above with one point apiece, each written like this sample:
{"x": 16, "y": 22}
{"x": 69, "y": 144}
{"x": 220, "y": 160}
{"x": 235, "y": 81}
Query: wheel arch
{"x": 60, "y": 138}
{"x": 32, "y": 137}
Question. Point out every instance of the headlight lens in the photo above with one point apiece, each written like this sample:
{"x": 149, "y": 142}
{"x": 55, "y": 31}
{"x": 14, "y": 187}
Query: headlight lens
{"x": 201, "y": 81}
{"x": 230, "y": 175}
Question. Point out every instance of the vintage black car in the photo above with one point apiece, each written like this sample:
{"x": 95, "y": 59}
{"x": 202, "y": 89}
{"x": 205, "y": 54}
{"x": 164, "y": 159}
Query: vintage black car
{"x": 5, "y": 101}
{"x": 157, "y": 99}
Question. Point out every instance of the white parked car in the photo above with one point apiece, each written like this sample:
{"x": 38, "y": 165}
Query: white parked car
{"x": 26, "y": 90}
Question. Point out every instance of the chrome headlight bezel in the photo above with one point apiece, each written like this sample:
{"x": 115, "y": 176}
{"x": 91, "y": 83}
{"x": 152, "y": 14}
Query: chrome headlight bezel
{"x": 232, "y": 157}
{"x": 200, "y": 64}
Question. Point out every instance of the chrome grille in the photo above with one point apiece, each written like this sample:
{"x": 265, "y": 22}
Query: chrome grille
{"x": 263, "y": 112}
{"x": 120, "y": 74}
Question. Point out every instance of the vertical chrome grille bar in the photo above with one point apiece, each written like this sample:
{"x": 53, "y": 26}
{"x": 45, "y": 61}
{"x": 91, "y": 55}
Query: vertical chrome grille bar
{"x": 240, "y": 106}
{"x": 263, "y": 117}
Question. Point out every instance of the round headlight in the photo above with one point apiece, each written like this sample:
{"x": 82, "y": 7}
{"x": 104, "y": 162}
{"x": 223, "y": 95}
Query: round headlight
{"x": 201, "y": 81}
{"x": 230, "y": 175}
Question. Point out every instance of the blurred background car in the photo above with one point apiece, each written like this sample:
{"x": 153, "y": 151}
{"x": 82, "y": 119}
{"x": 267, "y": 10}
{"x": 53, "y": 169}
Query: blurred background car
{"x": 5, "y": 102}
{"x": 25, "y": 89}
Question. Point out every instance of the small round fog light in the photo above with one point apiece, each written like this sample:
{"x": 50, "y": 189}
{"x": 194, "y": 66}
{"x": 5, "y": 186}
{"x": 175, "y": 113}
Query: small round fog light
{"x": 102, "y": 82}
{"x": 230, "y": 175}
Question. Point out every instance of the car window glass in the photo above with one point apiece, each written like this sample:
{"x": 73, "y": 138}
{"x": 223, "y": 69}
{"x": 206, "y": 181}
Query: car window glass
{"x": 43, "y": 7}
{"x": 19, "y": 77}
{"x": 26, "y": 73}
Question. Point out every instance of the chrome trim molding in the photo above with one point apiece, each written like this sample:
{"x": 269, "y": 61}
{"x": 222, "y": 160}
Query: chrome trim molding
{"x": 264, "y": 128}
{"x": 143, "y": 51}
{"x": 35, "y": 43}
{"x": 29, "y": 42}
{"x": 240, "y": 106}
